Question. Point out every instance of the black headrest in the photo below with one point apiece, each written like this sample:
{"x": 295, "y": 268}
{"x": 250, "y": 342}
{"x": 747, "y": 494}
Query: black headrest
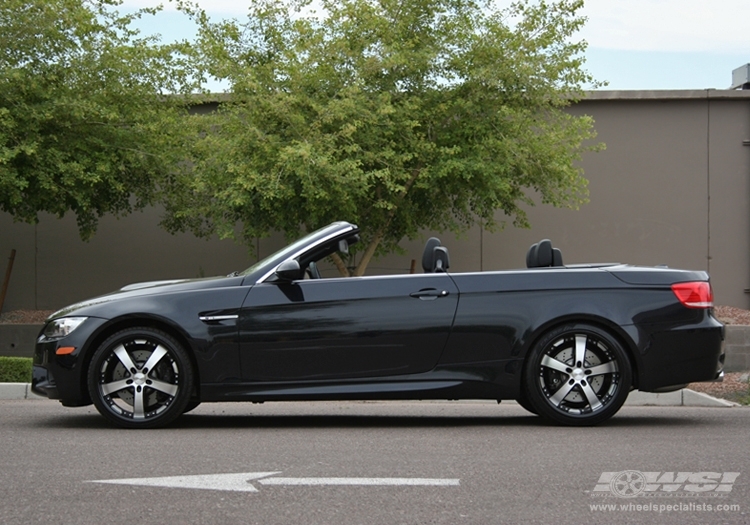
{"x": 542, "y": 254}
{"x": 531, "y": 256}
{"x": 428, "y": 255}
{"x": 556, "y": 257}
{"x": 442, "y": 260}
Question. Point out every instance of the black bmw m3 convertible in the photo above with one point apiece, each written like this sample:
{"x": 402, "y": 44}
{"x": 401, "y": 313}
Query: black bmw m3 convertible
{"x": 567, "y": 342}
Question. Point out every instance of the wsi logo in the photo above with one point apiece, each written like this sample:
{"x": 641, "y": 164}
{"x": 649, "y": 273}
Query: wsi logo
{"x": 633, "y": 483}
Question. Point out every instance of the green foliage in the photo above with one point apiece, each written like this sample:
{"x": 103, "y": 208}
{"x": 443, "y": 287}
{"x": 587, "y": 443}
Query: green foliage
{"x": 85, "y": 125}
{"x": 15, "y": 370}
{"x": 397, "y": 115}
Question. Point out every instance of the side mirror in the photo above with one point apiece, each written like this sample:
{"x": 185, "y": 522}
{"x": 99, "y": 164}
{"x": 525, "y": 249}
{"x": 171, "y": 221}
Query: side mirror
{"x": 289, "y": 270}
{"x": 343, "y": 246}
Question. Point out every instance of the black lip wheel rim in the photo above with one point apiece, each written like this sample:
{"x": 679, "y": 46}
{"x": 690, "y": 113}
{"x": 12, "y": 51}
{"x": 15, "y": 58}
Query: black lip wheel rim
{"x": 578, "y": 375}
{"x": 140, "y": 379}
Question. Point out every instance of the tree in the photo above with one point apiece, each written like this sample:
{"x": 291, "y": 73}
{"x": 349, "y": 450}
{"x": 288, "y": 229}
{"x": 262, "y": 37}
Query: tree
{"x": 85, "y": 125}
{"x": 397, "y": 115}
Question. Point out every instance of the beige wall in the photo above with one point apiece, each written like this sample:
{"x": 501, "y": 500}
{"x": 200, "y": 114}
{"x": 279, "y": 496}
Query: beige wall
{"x": 729, "y": 162}
{"x": 53, "y": 267}
{"x": 670, "y": 188}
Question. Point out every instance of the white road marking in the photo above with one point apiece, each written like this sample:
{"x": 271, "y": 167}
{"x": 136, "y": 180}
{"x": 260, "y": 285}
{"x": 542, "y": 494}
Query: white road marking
{"x": 361, "y": 481}
{"x": 240, "y": 482}
{"x": 233, "y": 482}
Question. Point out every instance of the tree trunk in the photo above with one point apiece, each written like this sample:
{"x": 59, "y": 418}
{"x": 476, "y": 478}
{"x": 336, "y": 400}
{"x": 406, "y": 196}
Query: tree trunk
{"x": 369, "y": 252}
{"x": 339, "y": 262}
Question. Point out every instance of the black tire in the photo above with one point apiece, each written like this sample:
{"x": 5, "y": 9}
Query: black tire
{"x": 525, "y": 404}
{"x": 192, "y": 405}
{"x": 140, "y": 378}
{"x": 577, "y": 375}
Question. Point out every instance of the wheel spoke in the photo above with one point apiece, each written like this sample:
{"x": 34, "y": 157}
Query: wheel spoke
{"x": 591, "y": 396}
{"x": 563, "y": 391}
{"x": 578, "y": 374}
{"x": 125, "y": 359}
{"x": 156, "y": 356}
{"x": 604, "y": 368}
{"x": 141, "y": 377}
{"x": 114, "y": 386}
{"x": 580, "y": 351}
{"x": 554, "y": 364}
{"x": 138, "y": 403}
{"x": 167, "y": 388}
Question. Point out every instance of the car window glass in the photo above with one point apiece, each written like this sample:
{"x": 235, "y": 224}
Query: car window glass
{"x": 287, "y": 250}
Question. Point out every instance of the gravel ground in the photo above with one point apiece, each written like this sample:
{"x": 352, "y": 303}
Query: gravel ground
{"x": 25, "y": 316}
{"x": 735, "y": 386}
{"x": 732, "y": 315}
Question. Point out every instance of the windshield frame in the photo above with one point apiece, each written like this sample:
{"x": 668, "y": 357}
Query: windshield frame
{"x": 267, "y": 266}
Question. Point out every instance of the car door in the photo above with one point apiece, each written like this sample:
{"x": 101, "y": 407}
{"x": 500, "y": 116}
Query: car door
{"x": 346, "y": 327}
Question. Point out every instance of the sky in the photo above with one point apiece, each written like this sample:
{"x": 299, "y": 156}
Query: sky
{"x": 632, "y": 44}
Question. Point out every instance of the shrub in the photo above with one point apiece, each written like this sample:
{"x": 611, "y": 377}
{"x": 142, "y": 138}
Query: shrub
{"x": 15, "y": 370}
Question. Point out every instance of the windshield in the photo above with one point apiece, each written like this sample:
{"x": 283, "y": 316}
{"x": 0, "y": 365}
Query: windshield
{"x": 287, "y": 251}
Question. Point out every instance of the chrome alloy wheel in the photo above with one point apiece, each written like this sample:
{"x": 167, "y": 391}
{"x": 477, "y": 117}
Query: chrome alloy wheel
{"x": 140, "y": 378}
{"x": 578, "y": 375}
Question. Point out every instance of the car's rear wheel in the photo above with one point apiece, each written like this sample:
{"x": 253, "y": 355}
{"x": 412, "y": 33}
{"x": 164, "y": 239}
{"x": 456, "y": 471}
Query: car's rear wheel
{"x": 192, "y": 405}
{"x": 577, "y": 374}
{"x": 140, "y": 378}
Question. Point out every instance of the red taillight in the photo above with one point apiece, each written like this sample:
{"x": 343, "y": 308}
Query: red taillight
{"x": 696, "y": 294}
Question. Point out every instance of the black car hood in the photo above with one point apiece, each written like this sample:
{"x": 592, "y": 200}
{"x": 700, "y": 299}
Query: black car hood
{"x": 151, "y": 288}
{"x": 149, "y": 284}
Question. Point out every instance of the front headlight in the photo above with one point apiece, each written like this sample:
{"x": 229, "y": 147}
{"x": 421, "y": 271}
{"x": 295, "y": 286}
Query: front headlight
{"x": 62, "y": 327}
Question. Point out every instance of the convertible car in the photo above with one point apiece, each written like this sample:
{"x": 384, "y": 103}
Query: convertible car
{"x": 567, "y": 342}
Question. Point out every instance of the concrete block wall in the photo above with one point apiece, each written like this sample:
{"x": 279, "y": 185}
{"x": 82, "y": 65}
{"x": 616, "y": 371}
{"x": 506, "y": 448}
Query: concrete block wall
{"x": 737, "y": 348}
{"x": 18, "y": 340}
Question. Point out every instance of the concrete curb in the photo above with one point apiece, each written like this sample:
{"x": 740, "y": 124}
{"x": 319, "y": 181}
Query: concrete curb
{"x": 10, "y": 391}
{"x": 684, "y": 397}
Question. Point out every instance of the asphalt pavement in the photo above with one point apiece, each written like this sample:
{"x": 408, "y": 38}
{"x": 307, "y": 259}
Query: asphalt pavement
{"x": 374, "y": 463}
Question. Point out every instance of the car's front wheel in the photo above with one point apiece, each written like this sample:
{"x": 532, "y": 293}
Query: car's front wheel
{"x": 140, "y": 378}
{"x": 577, "y": 374}
{"x": 521, "y": 400}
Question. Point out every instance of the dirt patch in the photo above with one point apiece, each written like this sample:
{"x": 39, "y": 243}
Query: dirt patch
{"x": 25, "y": 316}
{"x": 735, "y": 387}
{"x": 732, "y": 315}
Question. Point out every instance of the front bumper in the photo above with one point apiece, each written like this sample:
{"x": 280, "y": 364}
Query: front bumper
{"x": 63, "y": 377}
{"x": 43, "y": 382}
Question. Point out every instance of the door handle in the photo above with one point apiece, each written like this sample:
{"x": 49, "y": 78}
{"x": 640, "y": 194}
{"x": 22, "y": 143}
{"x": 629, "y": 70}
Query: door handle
{"x": 429, "y": 294}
